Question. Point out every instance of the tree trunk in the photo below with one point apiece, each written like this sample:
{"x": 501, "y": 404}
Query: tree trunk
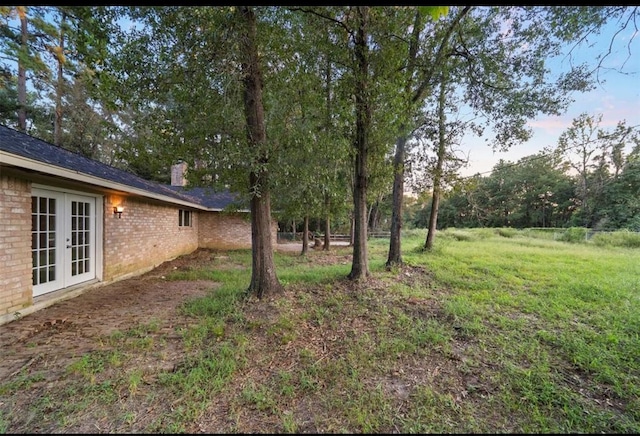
{"x": 327, "y": 233}
{"x": 22, "y": 76}
{"x": 360, "y": 264}
{"x": 305, "y": 236}
{"x": 352, "y": 230}
{"x": 360, "y": 261}
{"x": 395, "y": 253}
{"x": 374, "y": 217}
{"x": 437, "y": 176}
{"x": 327, "y": 127}
{"x": 433, "y": 218}
{"x": 264, "y": 280}
{"x": 418, "y": 96}
{"x": 395, "y": 237}
{"x": 57, "y": 122}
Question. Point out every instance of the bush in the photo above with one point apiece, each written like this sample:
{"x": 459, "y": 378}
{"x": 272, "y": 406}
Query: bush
{"x": 619, "y": 238}
{"x": 466, "y": 234}
{"x": 574, "y": 234}
{"x": 415, "y": 233}
{"x": 506, "y": 232}
{"x": 548, "y": 233}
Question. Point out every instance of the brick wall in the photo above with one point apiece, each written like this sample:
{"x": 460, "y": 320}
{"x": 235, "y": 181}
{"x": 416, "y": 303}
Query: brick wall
{"x": 224, "y": 230}
{"x": 146, "y": 235}
{"x": 228, "y": 231}
{"x": 15, "y": 245}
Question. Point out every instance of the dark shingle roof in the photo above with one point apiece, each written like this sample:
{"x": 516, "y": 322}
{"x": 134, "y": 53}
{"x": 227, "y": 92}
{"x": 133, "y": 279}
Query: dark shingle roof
{"x": 211, "y": 199}
{"x": 24, "y": 145}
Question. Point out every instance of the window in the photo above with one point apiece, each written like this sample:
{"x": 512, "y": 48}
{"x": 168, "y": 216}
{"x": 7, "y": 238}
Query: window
{"x": 184, "y": 218}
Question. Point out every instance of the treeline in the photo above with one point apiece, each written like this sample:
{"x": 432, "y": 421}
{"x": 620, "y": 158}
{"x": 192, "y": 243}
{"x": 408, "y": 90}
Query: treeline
{"x": 591, "y": 179}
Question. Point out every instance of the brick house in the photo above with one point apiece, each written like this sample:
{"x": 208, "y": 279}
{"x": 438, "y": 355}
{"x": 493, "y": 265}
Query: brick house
{"x": 69, "y": 223}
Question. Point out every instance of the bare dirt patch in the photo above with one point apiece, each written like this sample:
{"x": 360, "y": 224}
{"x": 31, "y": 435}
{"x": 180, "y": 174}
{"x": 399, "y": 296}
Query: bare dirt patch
{"x": 51, "y": 337}
{"x": 46, "y": 342}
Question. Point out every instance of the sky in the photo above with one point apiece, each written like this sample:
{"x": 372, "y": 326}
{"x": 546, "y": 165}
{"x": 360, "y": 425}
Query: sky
{"x": 616, "y": 98}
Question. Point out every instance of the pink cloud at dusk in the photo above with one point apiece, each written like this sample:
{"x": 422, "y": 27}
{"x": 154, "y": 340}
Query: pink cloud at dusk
{"x": 616, "y": 105}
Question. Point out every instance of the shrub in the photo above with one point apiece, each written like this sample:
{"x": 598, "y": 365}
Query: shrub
{"x": 506, "y": 232}
{"x": 619, "y": 238}
{"x": 574, "y": 234}
{"x": 548, "y": 233}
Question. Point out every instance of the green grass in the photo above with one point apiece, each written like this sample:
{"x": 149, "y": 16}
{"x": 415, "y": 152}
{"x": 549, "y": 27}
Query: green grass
{"x": 493, "y": 330}
{"x": 550, "y": 308}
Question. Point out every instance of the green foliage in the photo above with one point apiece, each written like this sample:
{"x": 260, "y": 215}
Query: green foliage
{"x": 435, "y": 12}
{"x": 466, "y": 234}
{"x": 506, "y": 232}
{"x": 574, "y": 234}
{"x": 589, "y": 180}
{"x": 63, "y": 47}
{"x": 620, "y": 238}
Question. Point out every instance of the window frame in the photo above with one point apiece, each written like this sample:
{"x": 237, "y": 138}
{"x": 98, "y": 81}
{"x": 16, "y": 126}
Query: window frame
{"x": 185, "y": 218}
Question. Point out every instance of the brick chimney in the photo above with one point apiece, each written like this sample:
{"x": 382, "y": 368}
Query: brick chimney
{"x": 177, "y": 174}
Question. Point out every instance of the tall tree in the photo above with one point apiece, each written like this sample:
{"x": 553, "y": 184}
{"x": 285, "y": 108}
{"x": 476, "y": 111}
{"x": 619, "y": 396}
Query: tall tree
{"x": 622, "y": 210}
{"x": 360, "y": 262}
{"x": 369, "y": 36}
{"x": 188, "y": 87}
{"x": 315, "y": 149}
{"x": 417, "y": 83}
{"x": 17, "y": 50}
{"x": 264, "y": 280}
{"x": 22, "y": 70}
{"x": 596, "y": 156}
{"x": 71, "y": 42}
{"x": 437, "y": 173}
{"x": 53, "y": 46}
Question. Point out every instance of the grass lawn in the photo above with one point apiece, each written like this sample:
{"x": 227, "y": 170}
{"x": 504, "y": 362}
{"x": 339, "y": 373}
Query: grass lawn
{"x": 491, "y": 331}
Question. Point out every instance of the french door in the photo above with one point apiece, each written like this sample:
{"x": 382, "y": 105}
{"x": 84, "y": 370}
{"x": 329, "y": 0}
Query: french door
{"x": 63, "y": 239}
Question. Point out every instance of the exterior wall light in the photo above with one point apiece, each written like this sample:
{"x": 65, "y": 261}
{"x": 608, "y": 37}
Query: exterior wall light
{"x": 117, "y": 210}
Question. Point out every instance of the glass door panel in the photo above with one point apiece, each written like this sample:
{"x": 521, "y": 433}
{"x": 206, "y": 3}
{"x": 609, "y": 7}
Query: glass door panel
{"x": 62, "y": 240}
{"x": 80, "y": 239}
{"x": 46, "y": 211}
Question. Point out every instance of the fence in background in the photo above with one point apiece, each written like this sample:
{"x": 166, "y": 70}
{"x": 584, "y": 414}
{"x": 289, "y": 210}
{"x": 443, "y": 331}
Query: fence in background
{"x": 297, "y": 236}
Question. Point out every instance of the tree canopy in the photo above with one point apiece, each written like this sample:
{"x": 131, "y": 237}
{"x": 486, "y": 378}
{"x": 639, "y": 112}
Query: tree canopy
{"x": 321, "y": 109}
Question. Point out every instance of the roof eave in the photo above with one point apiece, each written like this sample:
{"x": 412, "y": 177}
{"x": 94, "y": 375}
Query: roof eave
{"x": 30, "y": 164}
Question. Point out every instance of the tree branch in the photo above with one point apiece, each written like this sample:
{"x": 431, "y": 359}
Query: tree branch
{"x": 422, "y": 89}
